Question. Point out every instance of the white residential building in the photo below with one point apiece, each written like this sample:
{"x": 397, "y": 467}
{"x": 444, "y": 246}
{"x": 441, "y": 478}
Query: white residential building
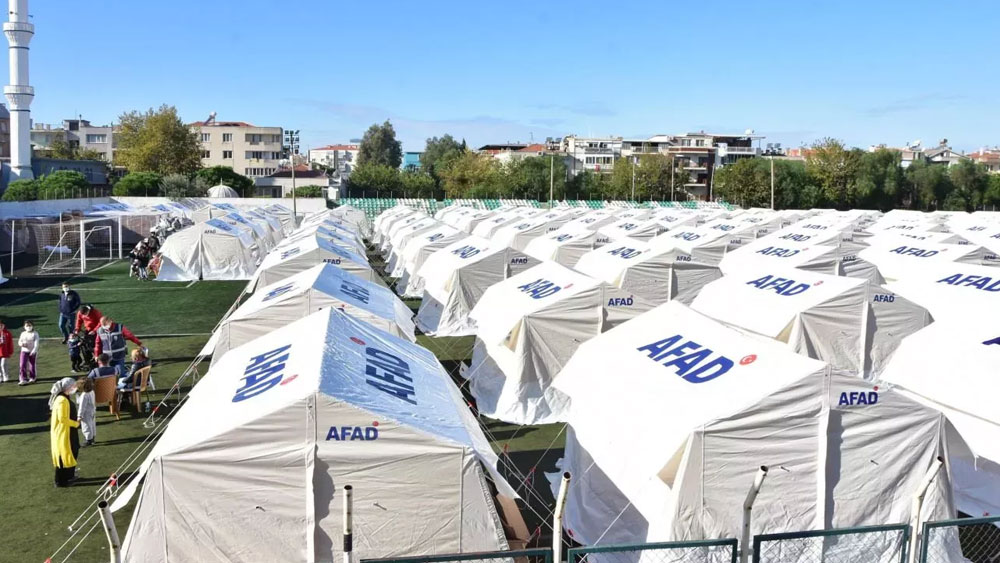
{"x": 249, "y": 150}
{"x": 341, "y": 158}
{"x": 78, "y": 134}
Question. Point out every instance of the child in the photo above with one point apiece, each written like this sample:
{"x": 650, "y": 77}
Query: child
{"x": 6, "y": 350}
{"x": 75, "y": 356}
{"x": 87, "y": 410}
{"x": 28, "y": 341}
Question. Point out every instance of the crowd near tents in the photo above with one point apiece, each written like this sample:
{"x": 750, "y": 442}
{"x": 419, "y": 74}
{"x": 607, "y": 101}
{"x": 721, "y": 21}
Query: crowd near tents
{"x": 683, "y": 348}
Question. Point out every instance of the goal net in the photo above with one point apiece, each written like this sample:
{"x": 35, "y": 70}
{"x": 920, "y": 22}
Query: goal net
{"x": 76, "y": 247}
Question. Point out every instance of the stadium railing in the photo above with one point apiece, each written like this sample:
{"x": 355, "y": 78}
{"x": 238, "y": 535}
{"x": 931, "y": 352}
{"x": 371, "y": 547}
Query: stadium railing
{"x": 701, "y": 551}
{"x": 976, "y": 540}
{"x": 870, "y": 544}
{"x": 522, "y": 556}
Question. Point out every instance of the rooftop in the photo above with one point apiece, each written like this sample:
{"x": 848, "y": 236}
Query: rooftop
{"x": 337, "y": 148}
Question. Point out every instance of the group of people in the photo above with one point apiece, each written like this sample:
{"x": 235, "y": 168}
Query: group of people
{"x": 143, "y": 254}
{"x": 90, "y": 337}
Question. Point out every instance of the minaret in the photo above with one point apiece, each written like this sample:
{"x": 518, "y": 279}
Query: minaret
{"x": 19, "y": 94}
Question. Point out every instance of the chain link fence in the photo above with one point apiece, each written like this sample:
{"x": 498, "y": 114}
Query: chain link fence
{"x": 875, "y": 544}
{"x": 965, "y": 540}
{"x": 522, "y": 556}
{"x": 704, "y": 551}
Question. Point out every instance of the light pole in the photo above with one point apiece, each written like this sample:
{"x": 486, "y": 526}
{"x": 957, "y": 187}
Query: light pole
{"x": 633, "y": 177}
{"x": 552, "y": 172}
{"x": 772, "y": 183}
{"x": 671, "y": 177}
{"x": 292, "y": 148}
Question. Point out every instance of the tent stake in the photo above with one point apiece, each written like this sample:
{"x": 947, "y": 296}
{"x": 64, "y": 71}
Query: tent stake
{"x": 557, "y": 517}
{"x": 348, "y": 525}
{"x": 758, "y": 482}
{"x": 114, "y": 546}
{"x": 918, "y": 504}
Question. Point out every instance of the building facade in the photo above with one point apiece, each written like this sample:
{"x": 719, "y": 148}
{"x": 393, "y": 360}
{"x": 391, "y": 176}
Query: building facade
{"x": 411, "y": 161}
{"x": 78, "y": 134}
{"x": 249, "y": 150}
{"x": 341, "y": 158}
{"x": 279, "y": 183}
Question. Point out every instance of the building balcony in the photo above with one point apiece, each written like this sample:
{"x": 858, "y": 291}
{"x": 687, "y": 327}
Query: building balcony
{"x": 741, "y": 150}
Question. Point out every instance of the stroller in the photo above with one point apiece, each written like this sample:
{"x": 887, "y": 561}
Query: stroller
{"x": 87, "y": 351}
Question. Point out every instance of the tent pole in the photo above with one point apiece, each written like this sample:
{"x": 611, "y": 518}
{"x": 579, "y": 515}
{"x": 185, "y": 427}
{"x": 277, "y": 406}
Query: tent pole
{"x": 557, "y": 518}
{"x": 348, "y": 515}
{"x": 758, "y": 482}
{"x": 114, "y": 546}
{"x": 918, "y": 503}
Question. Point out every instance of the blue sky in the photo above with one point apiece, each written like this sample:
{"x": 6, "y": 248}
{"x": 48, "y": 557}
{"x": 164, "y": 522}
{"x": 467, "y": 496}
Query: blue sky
{"x": 865, "y": 72}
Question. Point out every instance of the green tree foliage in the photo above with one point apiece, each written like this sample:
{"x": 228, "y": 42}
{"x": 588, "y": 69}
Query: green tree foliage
{"x": 62, "y": 184}
{"x": 438, "y": 152}
{"x": 992, "y": 196}
{"x": 369, "y": 180}
{"x": 379, "y": 146}
{"x": 931, "y": 184}
{"x": 179, "y": 186}
{"x": 879, "y": 181}
{"x": 528, "y": 178}
{"x": 473, "y": 175}
{"x": 970, "y": 182}
{"x": 157, "y": 141}
{"x": 21, "y": 190}
{"x": 138, "y": 184}
{"x": 833, "y": 166}
{"x": 308, "y": 191}
{"x": 59, "y": 148}
{"x": 589, "y": 185}
{"x": 746, "y": 182}
{"x": 417, "y": 184}
{"x": 225, "y": 175}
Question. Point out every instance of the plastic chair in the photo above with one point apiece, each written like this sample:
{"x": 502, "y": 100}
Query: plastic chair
{"x": 105, "y": 392}
{"x": 139, "y": 383}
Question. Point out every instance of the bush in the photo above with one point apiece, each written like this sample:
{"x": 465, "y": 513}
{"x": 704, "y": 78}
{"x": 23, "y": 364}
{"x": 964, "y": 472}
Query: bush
{"x": 225, "y": 175}
{"x": 179, "y": 186}
{"x": 138, "y": 184}
{"x": 21, "y": 190}
{"x": 62, "y": 184}
{"x": 308, "y": 191}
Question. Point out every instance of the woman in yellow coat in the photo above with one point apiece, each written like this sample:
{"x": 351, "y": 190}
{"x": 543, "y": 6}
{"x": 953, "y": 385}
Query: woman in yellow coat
{"x": 63, "y": 425}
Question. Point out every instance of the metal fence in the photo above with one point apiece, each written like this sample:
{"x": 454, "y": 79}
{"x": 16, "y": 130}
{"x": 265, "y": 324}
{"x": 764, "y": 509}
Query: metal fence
{"x": 522, "y": 556}
{"x": 874, "y": 544}
{"x": 965, "y": 540}
{"x": 703, "y": 551}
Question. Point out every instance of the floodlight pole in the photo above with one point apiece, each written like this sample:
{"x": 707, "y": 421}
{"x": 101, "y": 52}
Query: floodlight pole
{"x": 772, "y": 183}
{"x": 671, "y": 177}
{"x": 552, "y": 176}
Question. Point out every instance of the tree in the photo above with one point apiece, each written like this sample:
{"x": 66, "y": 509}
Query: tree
{"x": 971, "y": 181}
{"x": 138, "y": 184}
{"x": 529, "y": 177}
{"x": 589, "y": 185}
{"x": 992, "y": 196}
{"x": 417, "y": 184}
{"x": 379, "y": 146}
{"x": 179, "y": 186}
{"x": 746, "y": 182}
{"x": 473, "y": 175}
{"x": 931, "y": 184}
{"x": 879, "y": 181}
{"x": 371, "y": 180}
{"x": 225, "y": 175}
{"x": 62, "y": 184}
{"x": 157, "y": 141}
{"x": 59, "y": 148}
{"x": 308, "y": 191}
{"x": 21, "y": 190}
{"x": 833, "y": 166}
{"x": 439, "y": 151}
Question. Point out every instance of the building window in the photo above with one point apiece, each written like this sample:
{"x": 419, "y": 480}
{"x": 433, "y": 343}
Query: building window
{"x": 275, "y": 155}
{"x": 699, "y": 142}
{"x": 96, "y": 138}
{"x": 227, "y": 154}
{"x": 206, "y": 154}
{"x": 685, "y": 142}
{"x": 257, "y": 155}
{"x": 227, "y": 137}
{"x": 253, "y": 138}
{"x": 275, "y": 138}
{"x": 205, "y": 137}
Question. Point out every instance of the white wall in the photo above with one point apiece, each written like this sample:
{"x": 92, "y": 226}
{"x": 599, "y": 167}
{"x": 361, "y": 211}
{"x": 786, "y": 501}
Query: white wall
{"x": 15, "y": 209}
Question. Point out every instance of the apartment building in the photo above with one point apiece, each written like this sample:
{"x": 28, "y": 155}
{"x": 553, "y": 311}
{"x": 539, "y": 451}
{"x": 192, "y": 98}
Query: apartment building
{"x": 594, "y": 154}
{"x": 341, "y": 158}
{"x": 249, "y": 150}
{"x": 988, "y": 157}
{"x": 78, "y": 134}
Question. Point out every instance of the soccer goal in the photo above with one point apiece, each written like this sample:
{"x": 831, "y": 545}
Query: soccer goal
{"x": 78, "y": 247}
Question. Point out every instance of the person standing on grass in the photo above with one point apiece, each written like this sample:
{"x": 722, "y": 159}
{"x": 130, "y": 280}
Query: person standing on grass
{"x": 111, "y": 337}
{"x": 28, "y": 341}
{"x": 88, "y": 410}
{"x": 65, "y": 442}
{"x": 69, "y": 302}
{"x": 6, "y": 350}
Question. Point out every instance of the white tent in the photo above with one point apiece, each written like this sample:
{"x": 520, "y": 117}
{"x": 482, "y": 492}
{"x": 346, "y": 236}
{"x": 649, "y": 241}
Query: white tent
{"x": 487, "y": 227}
{"x": 268, "y": 230}
{"x": 456, "y": 276}
{"x": 673, "y": 413}
{"x": 897, "y": 261}
{"x": 222, "y": 190}
{"x": 386, "y": 219}
{"x": 285, "y": 261}
{"x": 851, "y": 324}
{"x": 644, "y": 229}
{"x": 273, "y": 223}
{"x": 954, "y": 291}
{"x": 289, "y": 221}
{"x": 417, "y": 251}
{"x": 212, "y": 250}
{"x": 401, "y": 237}
{"x": 953, "y": 366}
{"x": 592, "y": 220}
{"x": 528, "y": 326}
{"x": 397, "y": 225}
{"x": 566, "y": 245}
{"x": 252, "y": 466}
{"x": 519, "y": 234}
{"x": 260, "y": 233}
{"x": 652, "y": 275}
{"x": 299, "y": 295}
{"x": 467, "y": 219}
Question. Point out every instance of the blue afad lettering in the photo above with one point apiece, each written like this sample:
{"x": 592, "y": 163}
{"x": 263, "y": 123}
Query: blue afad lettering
{"x": 814, "y": 226}
{"x": 519, "y": 260}
{"x": 688, "y": 236}
{"x": 435, "y": 236}
{"x": 466, "y": 251}
{"x": 913, "y": 251}
{"x": 629, "y": 227}
{"x": 852, "y": 398}
{"x": 723, "y": 227}
{"x": 290, "y": 252}
{"x": 690, "y": 360}
{"x": 540, "y": 288}
{"x": 781, "y": 286}
{"x": 620, "y": 301}
{"x": 994, "y": 341}
{"x": 984, "y": 283}
{"x": 352, "y": 433}
{"x": 278, "y": 291}
{"x": 263, "y": 373}
{"x": 389, "y": 374}
{"x": 561, "y": 238}
{"x": 779, "y": 252}
{"x": 883, "y": 298}
{"x": 624, "y": 252}
{"x": 331, "y": 260}
{"x": 356, "y": 291}
{"x": 796, "y": 238}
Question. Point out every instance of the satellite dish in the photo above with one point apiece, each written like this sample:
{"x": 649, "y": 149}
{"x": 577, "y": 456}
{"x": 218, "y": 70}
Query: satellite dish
{"x": 748, "y": 132}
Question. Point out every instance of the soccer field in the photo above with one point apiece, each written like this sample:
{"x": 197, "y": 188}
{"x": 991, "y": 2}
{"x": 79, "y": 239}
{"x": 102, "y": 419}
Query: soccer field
{"x": 174, "y": 320}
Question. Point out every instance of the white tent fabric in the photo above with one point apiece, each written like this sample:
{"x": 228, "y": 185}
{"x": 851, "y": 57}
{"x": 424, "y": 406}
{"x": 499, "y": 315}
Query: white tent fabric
{"x": 528, "y": 326}
{"x": 652, "y": 275}
{"x": 212, "y": 250}
{"x": 266, "y": 233}
{"x": 566, "y": 245}
{"x": 285, "y": 261}
{"x": 334, "y": 233}
{"x": 258, "y": 233}
{"x": 954, "y": 291}
{"x": 467, "y": 220}
{"x": 252, "y": 466}
{"x": 897, "y": 261}
{"x": 273, "y": 223}
{"x": 413, "y": 219}
{"x": 487, "y": 227}
{"x": 592, "y": 220}
{"x": 634, "y": 229}
{"x": 417, "y": 251}
{"x": 299, "y": 295}
{"x": 222, "y": 190}
{"x": 456, "y": 276}
{"x": 519, "y": 234}
{"x": 403, "y": 236}
{"x": 386, "y": 219}
{"x": 851, "y": 324}
{"x": 672, "y": 414}
{"x": 953, "y": 366}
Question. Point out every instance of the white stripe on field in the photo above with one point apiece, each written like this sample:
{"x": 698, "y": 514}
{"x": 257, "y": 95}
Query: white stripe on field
{"x": 192, "y": 283}
{"x": 151, "y": 335}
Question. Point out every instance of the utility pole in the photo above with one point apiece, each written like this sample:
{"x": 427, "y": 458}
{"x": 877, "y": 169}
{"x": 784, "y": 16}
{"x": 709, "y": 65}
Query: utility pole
{"x": 671, "y": 177}
{"x": 772, "y": 183}
{"x": 633, "y": 178}
{"x": 552, "y": 177}
{"x": 292, "y": 146}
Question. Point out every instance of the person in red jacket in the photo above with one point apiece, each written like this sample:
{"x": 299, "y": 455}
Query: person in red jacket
{"x": 111, "y": 337}
{"x": 88, "y": 318}
{"x": 6, "y": 350}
